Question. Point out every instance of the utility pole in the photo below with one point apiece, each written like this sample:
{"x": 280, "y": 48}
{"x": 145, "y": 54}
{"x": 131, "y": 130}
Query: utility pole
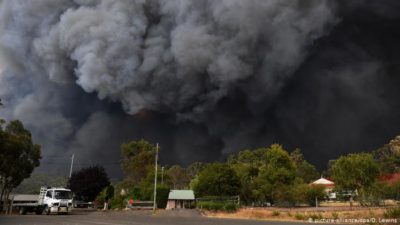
{"x": 155, "y": 182}
{"x": 162, "y": 175}
{"x": 72, "y": 164}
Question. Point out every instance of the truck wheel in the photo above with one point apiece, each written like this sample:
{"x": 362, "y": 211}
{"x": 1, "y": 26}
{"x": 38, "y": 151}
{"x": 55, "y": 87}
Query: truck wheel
{"x": 46, "y": 210}
{"x": 39, "y": 211}
{"x": 22, "y": 211}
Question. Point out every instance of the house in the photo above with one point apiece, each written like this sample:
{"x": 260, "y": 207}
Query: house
{"x": 329, "y": 186}
{"x": 180, "y": 199}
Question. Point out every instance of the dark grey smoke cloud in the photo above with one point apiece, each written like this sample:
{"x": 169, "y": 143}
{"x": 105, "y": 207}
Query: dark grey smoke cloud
{"x": 203, "y": 78}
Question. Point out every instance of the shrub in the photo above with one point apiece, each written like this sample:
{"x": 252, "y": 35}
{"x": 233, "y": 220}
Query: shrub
{"x": 299, "y": 216}
{"x": 231, "y": 207}
{"x": 105, "y": 195}
{"x": 217, "y": 206}
{"x": 315, "y": 216}
{"x": 392, "y": 213}
{"x": 162, "y": 196}
{"x": 276, "y": 213}
{"x": 315, "y": 192}
{"x": 335, "y": 215}
{"x": 118, "y": 202}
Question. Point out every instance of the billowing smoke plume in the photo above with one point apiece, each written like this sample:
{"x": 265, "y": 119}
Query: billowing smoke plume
{"x": 203, "y": 78}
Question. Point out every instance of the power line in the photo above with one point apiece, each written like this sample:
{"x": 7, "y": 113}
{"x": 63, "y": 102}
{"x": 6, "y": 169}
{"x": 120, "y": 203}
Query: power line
{"x": 66, "y": 163}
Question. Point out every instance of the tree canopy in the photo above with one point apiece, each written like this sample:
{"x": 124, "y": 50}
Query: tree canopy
{"x": 18, "y": 155}
{"x": 278, "y": 173}
{"x": 217, "y": 179}
{"x": 304, "y": 169}
{"x": 388, "y": 156}
{"x": 88, "y": 182}
{"x": 137, "y": 159}
{"x": 179, "y": 177}
{"x": 354, "y": 171}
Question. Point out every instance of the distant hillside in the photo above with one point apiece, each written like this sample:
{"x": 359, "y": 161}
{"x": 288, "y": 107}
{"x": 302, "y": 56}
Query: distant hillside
{"x": 32, "y": 185}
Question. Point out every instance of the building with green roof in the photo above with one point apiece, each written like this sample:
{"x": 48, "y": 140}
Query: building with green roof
{"x": 180, "y": 199}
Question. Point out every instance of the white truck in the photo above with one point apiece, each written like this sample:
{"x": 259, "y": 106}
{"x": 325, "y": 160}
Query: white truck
{"x": 50, "y": 200}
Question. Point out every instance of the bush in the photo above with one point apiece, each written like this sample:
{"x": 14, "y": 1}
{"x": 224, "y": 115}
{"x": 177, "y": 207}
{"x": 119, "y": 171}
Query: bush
{"x": 134, "y": 193}
{"x": 315, "y": 216}
{"x": 335, "y": 215}
{"x": 374, "y": 195}
{"x": 217, "y": 206}
{"x": 231, "y": 207}
{"x": 315, "y": 192}
{"x": 162, "y": 196}
{"x": 299, "y": 216}
{"x": 118, "y": 202}
{"x": 212, "y": 206}
{"x": 276, "y": 213}
{"x": 392, "y": 213}
{"x": 105, "y": 195}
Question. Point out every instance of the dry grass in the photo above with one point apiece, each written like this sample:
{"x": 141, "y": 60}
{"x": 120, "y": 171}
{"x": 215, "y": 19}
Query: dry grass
{"x": 295, "y": 214}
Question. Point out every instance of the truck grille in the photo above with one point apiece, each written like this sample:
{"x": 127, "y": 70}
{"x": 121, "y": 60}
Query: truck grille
{"x": 63, "y": 203}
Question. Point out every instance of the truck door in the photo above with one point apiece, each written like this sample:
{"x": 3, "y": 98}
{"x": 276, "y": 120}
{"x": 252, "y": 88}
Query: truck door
{"x": 49, "y": 195}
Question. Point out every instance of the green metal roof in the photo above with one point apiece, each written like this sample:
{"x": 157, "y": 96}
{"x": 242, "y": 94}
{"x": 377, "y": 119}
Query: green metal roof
{"x": 181, "y": 195}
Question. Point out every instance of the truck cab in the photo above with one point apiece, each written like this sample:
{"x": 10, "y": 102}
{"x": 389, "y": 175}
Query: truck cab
{"x": 56, "y": 200}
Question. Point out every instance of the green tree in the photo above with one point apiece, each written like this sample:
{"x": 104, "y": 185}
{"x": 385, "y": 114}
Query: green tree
{"x": 354, "y": 171}
{"x": 194, "y": 169}
{"x": 162, "y": 196}
{"x": 138, "y": 159}
{"x": 105, "y": 195}
{"x": 247, "y": 175}
{"x": 374, "y": 194}
{"x": 146, "y": 186}
{"x": 88, "y": 182}
{"x": 388, "y": 157}
{"x": 18, "y": 156}
{"x": 179, "y": 177}
{"x": 279, "y": 172}
{"x": 217, "y": 179}
{"x": 297, "y": 156}
{"x": 315, "y": 193}
{"x": 304, "y": 169}
{"x": 255, "y": 158}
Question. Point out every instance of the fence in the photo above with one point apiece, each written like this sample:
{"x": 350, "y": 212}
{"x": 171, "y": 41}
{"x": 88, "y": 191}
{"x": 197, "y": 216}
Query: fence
{"x": 139, "y": 205}
{"x": 226, "y": 199}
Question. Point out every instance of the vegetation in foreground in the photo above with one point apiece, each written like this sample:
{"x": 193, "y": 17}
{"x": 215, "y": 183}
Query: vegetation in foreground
{"x": 260, "y": 177}
{"x": 18, "y": 157}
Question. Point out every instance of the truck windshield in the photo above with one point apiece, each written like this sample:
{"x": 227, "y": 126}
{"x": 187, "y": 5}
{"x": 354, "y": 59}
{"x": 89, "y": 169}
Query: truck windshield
{"x": 62, "y": 195}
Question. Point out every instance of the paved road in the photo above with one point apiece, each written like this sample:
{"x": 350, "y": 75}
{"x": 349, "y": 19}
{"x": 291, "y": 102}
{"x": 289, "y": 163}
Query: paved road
{"x": 126, "y": 218}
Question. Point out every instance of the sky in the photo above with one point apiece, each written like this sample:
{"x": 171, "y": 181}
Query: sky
{"x": 205, "y": 79}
